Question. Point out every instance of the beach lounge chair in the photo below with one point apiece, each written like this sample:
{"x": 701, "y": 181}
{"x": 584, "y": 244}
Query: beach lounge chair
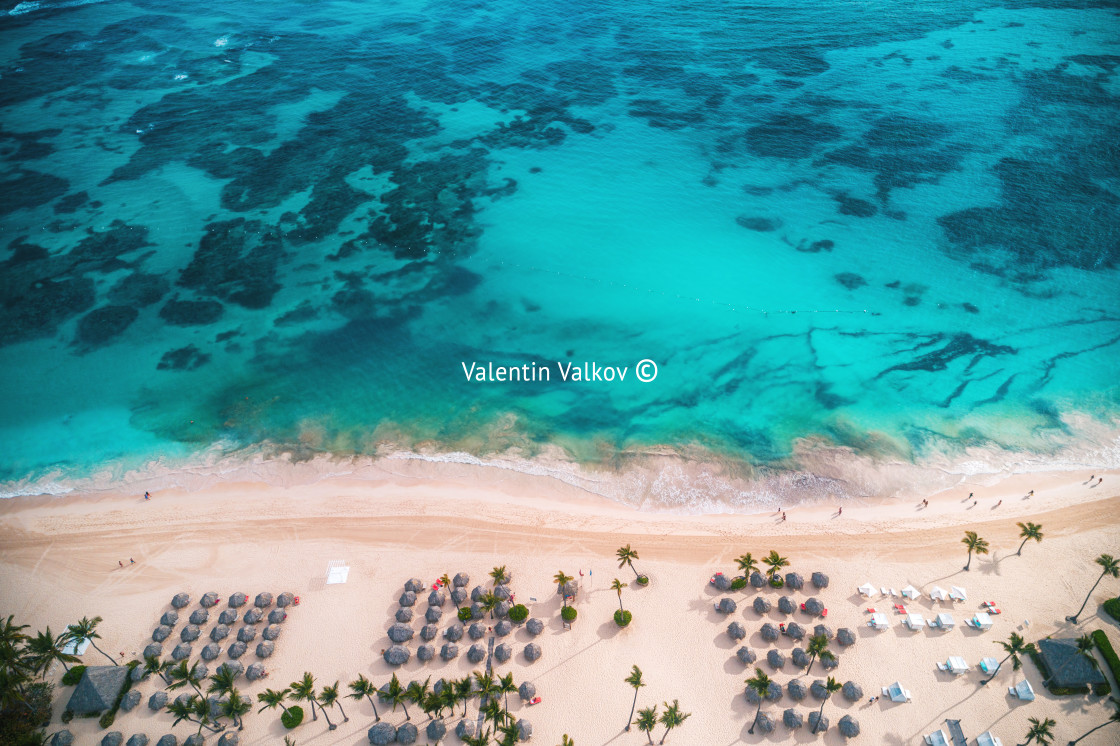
{"x": 989, "y": 665}
{"x": 884, "y": 591}
{"x": 1022, "y": 690}
{"x": 894, "y": 593}
{"x": 987, "y": 739}
{"x": 942, "y": 667}
{"x": 872, "y": 610}
{"x": 824, "y": 613}
{"x": 900, "y": 608}
{"x": 956, "y": 733}
{"x": 937, "y": 738}
{"x": 535, "y": 701}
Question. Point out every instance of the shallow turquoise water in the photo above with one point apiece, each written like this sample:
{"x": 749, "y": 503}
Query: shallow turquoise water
{"x": 896, "y": 231}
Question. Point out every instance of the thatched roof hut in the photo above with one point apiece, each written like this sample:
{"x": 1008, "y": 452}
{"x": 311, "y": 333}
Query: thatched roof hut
{"x": 436, "y": 598}
{"x": 157, "y": 701}
{"x": 461, "y": 580}
{"x": 502, "y": 592}
{"x": 465, "y": 730}
{"x": 722, "y": 582}
{"x": 180, "y": 601}
{"x": 277, "y": 616}
{"x": 381, "y": 734}
{"x": 736, "y": 631}
{"x": 477, "y": 593}
{"x": 399, "y": 633}
{"x": 476, "y": 653}
{"x": 246, "y": 634}
{"x": 425, "y": 653}
{"x": 169, "y": 740}
{"x": 845, "y": 636}
{"x": 765, "y": 723}
{"x": 503, "y": 628}
{"x": 161, "y": 633}
{"x": 774, "y": 691}
{"x": 285, "y": 599}
{"x": 414, "y": 584}
{"x": 726, "y": 606}
{"x": 746, "y": 656}
{"x": 814, "y": 606}
{"x": 112, "y": 738}
{"x": 818, "y": 689}
{"x": 237, "y": 649}
{"x": 190, "y": 633}
{"x": 237, "y": 600}
{"x": 194, "y": 739}
{"x": 476, "y": 631}
{"x": 97, "y": 690}
{"x": 210, "y": 651}
{"x": 229, "y": 739}
{"x": 255, "y": 671}
{"x": 435, "y": 730}
{"x": 429, "y": 632}
{"x": 527, "y": 690}
{"x": 796, "y": 689}
{"x": 503, "y": 652}
{"x": 751, "y": 696}
{"x": 263, "y": 600}
{"x": 130, "y": 699}
{"x": 271, "y": 632}
{"x": 820, "y": 580}
{"x": 770, "y": 632}
{"x": 792, "y": 719}
{"x": 848, "y": 726}
{"x": 265, "y": 649}
{"x": 407, "y": 733}
{"x": 253, "y": 616}
{"x": 823, "y": 629}
{"x": 756, "y": 579}
{"x": 532, "y": 652}
{"x": 852, "y": 691}
{"x": 169, "y": 618}
{"x": 404, "y": 615}
{"x": 219, "y": 633}
{"x": 397, "y": 655}
{"x": 501, "y": 609}
{"x": 786, "y": 605}
{"x": 228, "y": 616}
{"x": 209, "y": 600}
{"x": 199, "y": 616}
{"x": 153, "y": 650}
{"x": 794, "y": 581}
{"x": 535, "y": 626}
{"x": 408, "y": 598}
{"x": 234, "y": 667}
{"x": 775, "y": 658}
{"x": 524, "y": 730}
{"x": 181, "y": 652}
{"x": 477, "y": 612}
{"x": 449, "y": 651}
{"x": 817, "y": 722}
{"x": 799, "y": 657}
{"x": 454, "y": 633}
{"x": 795, "y": 630}
{"x": 761, "y": 605}
{"x": 458, "y": 596}
{"x": 141, "y": 739}
{"x": 829, "y": 663}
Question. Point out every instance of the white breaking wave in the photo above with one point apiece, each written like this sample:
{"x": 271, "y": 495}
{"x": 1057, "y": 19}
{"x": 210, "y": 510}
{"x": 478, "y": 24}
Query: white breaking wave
{"x": 37, "y": 5}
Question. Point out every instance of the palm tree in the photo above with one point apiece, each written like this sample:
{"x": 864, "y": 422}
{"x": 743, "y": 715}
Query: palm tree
{"x": 328, "y": 697}
{"x": 153, "y": 665}
{"x": 463, "y": 691}
{"x": 86, "y": 629}
{"x": 672, "y": 718}
{"x": 445, "y": 580}
{"x": 511, "y": 735}
{"x": 499, "y": 575}
{"x": 647, "y": 721}
{"x": 449, "y": 697}
{"x": 363, "y": 687}
{"x": 222, "y": 681}
{"x": 488, "y": 602}
{"x": 505, "y": 686}
{"x": 617, "y": 587}
{"x": 1085, "y": 647}
{"x": 1113, "y": 718}
{"x": 304, "y": 691}
{"x": 1028, "y": 531}
{"x": 492, "y": 711}
{"x": 626, "y": 556}
{"x": 45, "y": 649}
{"x": 747, "y": 564}
{"x": 774, "y": 563}
{"x": 634, "y": 680}
{"x": 760, "y": 682}
{"x": 1109, "y": 566}
{"x": 396, "y": 695}
{"x": 974, "y": 544}
{"x": 1015, "y": 646}
{"x": 566, "y": 740}
{"x": 416, "y": 692}
{"x": 831, "y": 687}
{"x": 818, "y": 647}
{"x": 193, "y": 710}
{"x": 182, "y": 675}
{"x": 486, "y": 686}
{"x": 272, "y": 698}
{"x": 561, "y": 580}
{"x": 234, "y": 707}
{"x": 1040, "y": 731}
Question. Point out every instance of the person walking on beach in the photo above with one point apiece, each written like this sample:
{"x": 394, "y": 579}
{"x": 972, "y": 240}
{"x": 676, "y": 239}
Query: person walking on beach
{"x": 783, "y": 516}
{"x": 120, "y": 563}
{"x": 1101, "y": 479}
{"x": 1030, "y": 494}
{"x": 970, "y": 495}
{"x": 840, "y": 511}
{"x": 131, "y": 561}
{"x": 999, "y": 503}
{"x": 147, "y": 496}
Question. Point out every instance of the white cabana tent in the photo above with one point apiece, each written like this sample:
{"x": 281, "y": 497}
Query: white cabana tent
{"x": 75, "y": 647}
{"x": 914, "y": 621}
{"x": 896, "y": 692}
{"x": 337, "y": 572}
{"x": 867, "y": 590}
{"x": 987, "y": 739}
{"x": 944, "y": 621}
{"x": 958, "y": 665}
{"x": 989, "y": 665}
{"x": 1022, "y": 690}
{"x": 937, "y": 738}
{"x": 957, "y": 593}
{"x": 982, "y": 621}
{"x": 910, "y": 592}
{"x": 879, "y": 621}
{"x": 938, "y": 593}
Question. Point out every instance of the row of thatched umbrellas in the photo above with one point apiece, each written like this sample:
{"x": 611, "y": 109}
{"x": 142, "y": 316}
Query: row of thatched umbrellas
{"x": 116, "y": 738}
{"x": 813, "y": 606}
{"x": 237, "y": 600}
{"x": 793, "y": 581}
{"x": 793, "y": 720}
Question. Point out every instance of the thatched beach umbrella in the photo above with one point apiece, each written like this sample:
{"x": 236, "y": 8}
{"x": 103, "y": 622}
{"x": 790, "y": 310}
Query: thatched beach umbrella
{"x": 818, "y": 689}
{"x": 532, "y": 652}
{"x": 153, "y": 650}
{"x": 817, "y": 723}
{"x": 765, "y": 723}
{"x": 246, "y": 634}
{"x": 219, "y": 633}
{"x": 253, "y": 616}
{"x": 435, "y": 731}
{"x": 265, "y": 649}
{"x": 190, "y": 633}
{"x": 161, "y": 633}
{"x": 397, "y": 655}
{"x": 229, "y": 616}
{"x": 425, "y": 653}
{"x": 770, "y": 632}
{"x": 277, "y": 616}
{"x": 535, "y": 626}
{"x": 502, "y": 593}
{"x": 210, "y": 651}
{"x": 62, "y": 738}
{"x": 141, "y": 739}
{"x": 209, "y": 600}
{"x": 404, "y": 615}
{"x": 786, "y": 605}
{"x": 820, "y": 580}
{"x": 736, "y": 631}
{"x": 237, "y": 649}
{"x": 169, "y": 618}
{"x": 477, "y": 593}
{"x": 799, "y": 657}
{"x": 236, "y": 668}
{"x": 774, "y": 691}
{"x": 439, "y": 685}
{"x": 216, "y": 706}
{"x": 845, "y": 636}
{"x": 830, "y": 663}
{"x": 461, "y": 580}
{"x": 501, "y": 609}
{"x": 503, "y": 628}
{"x": 436, "y": 598}
{"x": 399, "y": 633}
{"x": 200, "y": 616}
{"x": 527, "y": 690}
{"x": 503, "y": 653}
{"x": 454, "y": 633}
{"x": 169, "y": 740}
{"x": 255, "y": 671}
{"x": 381, "y": 734}
{"x": 271, "y": 632}
{"x": 429, "y": 632}
{"x": 726, "y": 606}
{"x": 476, "y": 653}
{"x": 852, "y": 691}
{"x": 848, "y": 726}
{"x": 568, "y": 589}
{"x": 751, "y": 696}
{"x": 194, "y": 739}
{"x": 449, "y": 651}
{"x": 761, "y": 605}
{"x": 814, "y": 606}
{"x": 722, "y": 582}
{"x": 524, "y": 730}
{"x": 795, "y": 630}
{"x": 263, "y": 600}
{"x": 794, "y": 581}
{"x": 796, "y": 689}
{"x": 181, "y": 652}
{"x": 138, "y": 673}
{"x": 408, "y": 598}
{"x": 180, "y": 600}
{"x": 477, "y": 612}
{"x": 476, "y": 631}
{"x": 775, "y": 658}
{"x": 756, "y": 580}
{"x": 792, "y": 719}
{"x": 414, "y": 584}
{"x": 237, "y": 600}
{"x": 285, "y": 599}
{"x": 458, "y": 596}
{"x": 465, "y": 730}
{"x": 823, "y": 629}
{"x": 407, "y": 733}
{"x": 229, "y": 739}
{"x": 746, "y": 656}
{"x": 130, "y": 699}
{"x": 157, "y": 701}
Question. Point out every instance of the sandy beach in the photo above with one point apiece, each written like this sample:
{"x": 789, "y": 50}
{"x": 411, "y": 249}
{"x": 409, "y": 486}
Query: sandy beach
{"x": 59, "y": 561}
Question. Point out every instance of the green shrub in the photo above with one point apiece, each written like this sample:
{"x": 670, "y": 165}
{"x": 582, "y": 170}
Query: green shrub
{"x": 464, "y": 614}
{"x": 738, "y": 584}
{"x": 107, "y": 719}
{"x": 622, "y": 618}
{"x": 643, "y": 580}
{"x": 518, "y": 614}
{"x": 777, "y": 581}
{"x": 568, "y": 613}
{"x": 1112, "y": 608}
{"x": 73, "y": 676}
{"x": 1103, "y": 645}
{"x": 22, "y": 720}
{"x": 293, "y": 717}
{"x": 1102, "y": 690}
{"x": 67, "y": 716}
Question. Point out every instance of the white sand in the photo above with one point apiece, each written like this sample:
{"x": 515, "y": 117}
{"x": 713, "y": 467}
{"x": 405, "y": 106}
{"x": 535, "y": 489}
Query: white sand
{"x": 58, "y": 562}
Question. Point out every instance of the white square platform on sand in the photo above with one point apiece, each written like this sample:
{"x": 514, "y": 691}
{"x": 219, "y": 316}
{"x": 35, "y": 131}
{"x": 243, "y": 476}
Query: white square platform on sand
{"x": 75, "y": 647}
{"x": 337, "y": 572}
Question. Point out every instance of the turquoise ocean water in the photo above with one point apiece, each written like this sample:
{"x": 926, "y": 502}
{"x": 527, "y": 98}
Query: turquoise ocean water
{"x": 282, "y": 227}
